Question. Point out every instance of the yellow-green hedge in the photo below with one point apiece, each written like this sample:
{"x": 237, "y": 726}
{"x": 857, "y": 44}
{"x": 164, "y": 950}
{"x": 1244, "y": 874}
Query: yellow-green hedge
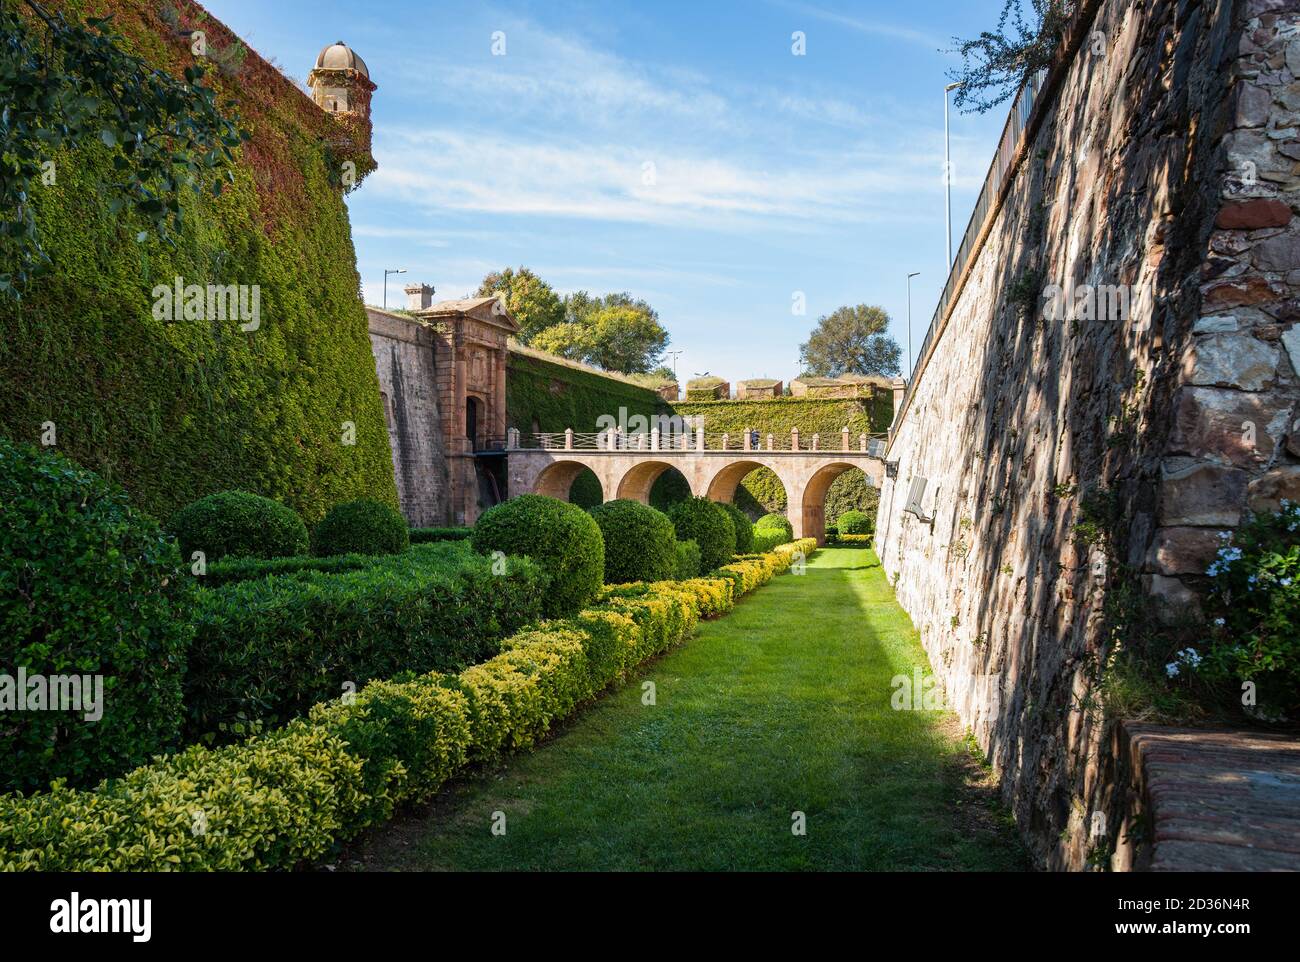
{"x": 288, "y": 797}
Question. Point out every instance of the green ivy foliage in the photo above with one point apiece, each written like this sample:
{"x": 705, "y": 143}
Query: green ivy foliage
{"x": 239, "y": 525}
{"x": 556, "y": 396}
{"x": 363, "y": 526}
{"x": 559, "y": 536}
{"x": 707, "y": 524}
{"x": 176, "y": 409}
{"x": 88, "y": 586}
{"x": 640, "y": 544}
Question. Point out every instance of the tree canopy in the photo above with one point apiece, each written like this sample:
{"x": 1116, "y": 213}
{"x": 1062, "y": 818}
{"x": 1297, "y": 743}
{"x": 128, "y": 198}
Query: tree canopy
{"x": 616, "y": 332}
{"x": 851, "y": 340}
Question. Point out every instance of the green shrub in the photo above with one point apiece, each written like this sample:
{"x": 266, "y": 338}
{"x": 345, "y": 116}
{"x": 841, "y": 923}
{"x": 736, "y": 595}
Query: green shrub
{"x": 267, "y": 649}
{"x": 425, "y": 535}
{"x": 1254, "y": 606}
{"x": 688, "y": 560}
{"x": 744, "y": 527}
{"x": 767, "y": 539}
{"x": 639, "y": 542}
{"x": 708, "y": 525}
{"x": 775, "y": 522}
{"x": 229, "y": 570}
{"x": 855, "y": 522}
{"x": 88, "y": 586}
{"x": 559, "y": 536}
{"x": 363, "y": 526}
{"x": 238, "y": 524}
{"x": 283, "y": 799}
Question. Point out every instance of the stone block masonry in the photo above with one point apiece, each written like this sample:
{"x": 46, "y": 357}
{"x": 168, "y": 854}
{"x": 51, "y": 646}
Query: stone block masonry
{"x": 1067, "y": 463}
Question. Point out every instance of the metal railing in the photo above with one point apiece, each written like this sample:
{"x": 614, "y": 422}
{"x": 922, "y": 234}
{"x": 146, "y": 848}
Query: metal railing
{"x": 692, "y": 442}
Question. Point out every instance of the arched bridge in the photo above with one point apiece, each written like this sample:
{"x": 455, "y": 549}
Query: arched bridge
{"x": 627, "y": 465}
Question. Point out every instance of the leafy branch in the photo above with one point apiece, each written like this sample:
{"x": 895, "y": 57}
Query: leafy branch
{"x": 69, "y": 85}
{"x": 998, "y": 62}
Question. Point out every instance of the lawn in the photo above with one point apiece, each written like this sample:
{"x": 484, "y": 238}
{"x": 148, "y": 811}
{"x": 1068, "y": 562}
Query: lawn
{"x": 782, "y": 707}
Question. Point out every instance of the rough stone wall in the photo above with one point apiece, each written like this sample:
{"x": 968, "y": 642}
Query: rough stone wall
{"x": 404, "y": 353}
{"x": 1070, "y": 460}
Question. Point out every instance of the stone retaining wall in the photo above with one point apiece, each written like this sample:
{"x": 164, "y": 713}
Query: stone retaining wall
{"x": 1072, "y": 461}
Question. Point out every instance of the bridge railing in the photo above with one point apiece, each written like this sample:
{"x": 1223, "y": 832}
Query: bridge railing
{"x": 842, "y": 441}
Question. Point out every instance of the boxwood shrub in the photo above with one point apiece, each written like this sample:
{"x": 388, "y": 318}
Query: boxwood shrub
{"x": 88, "y": 587}
{"x": 855, "y": 522}
{"x": 708, "y": 525}
{"x": 269, "y": 648}
{"x": 424, "y": 535}
{"x": 744, "y": 527}
{"x": 236, "y": 523}
{"x": 776, "y": 522}
{"x": 559, "y": 536}
{"x": 688, "y": 560}
{"x": 640, "y": 544}
{"x": 364, "y": 526}
{"x": 280, "y": 800}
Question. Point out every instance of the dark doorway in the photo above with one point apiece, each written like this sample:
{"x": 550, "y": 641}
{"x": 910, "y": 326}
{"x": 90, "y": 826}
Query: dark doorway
{"x": 472, "y": 405}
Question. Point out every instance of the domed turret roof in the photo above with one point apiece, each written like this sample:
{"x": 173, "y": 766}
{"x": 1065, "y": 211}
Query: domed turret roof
{"x": 339, "y": 56}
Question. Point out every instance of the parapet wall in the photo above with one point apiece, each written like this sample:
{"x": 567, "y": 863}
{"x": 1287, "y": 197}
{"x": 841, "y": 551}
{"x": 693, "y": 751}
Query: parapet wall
{"x": 1160, "y": 169}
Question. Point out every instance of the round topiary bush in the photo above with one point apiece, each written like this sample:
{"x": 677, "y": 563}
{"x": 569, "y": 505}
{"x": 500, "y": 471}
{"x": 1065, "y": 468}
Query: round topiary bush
{"x": 775, "y": 522}
{"x": 364, "y": 526}
{"x": 640, "y": 543}
{"x": 688, "y": 560}
{"x": 94, "y": 603}
{"x": 561, "y": 537}
{"x": 239, "y": 524}
{"x": 744, "y": 528}
{"x": 855, "y": 522}
{"x": 706, "y": 523}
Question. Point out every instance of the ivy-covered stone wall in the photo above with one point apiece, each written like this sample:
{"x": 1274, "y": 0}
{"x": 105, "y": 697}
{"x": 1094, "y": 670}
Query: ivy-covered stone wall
{"x": 175, "y": 409}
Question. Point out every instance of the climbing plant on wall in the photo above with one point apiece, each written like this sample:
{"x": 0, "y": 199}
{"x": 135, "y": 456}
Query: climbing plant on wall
{"x": 174, "y": 409}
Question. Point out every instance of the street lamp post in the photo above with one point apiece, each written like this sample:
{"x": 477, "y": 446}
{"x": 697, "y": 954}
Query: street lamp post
{"x": 399, "y": 270}
{"x": 947, "y": 171}
{"x": 911, "y": 362}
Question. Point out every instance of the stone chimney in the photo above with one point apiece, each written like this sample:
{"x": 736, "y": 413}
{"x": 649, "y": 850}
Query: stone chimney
{"x": 419, "y": 297}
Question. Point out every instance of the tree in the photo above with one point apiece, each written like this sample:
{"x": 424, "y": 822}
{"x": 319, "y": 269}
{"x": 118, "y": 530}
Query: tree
{"x": 996, "y": 63}
{"x": 569, "y": 340}
{"x": 530, "y": 300}
{"x": 67, "y": 86}
{"x": 852, "y": 340}
{"x": 626, "y": 339}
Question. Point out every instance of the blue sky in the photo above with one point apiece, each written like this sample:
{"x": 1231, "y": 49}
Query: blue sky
{"x": 676, "y": 150}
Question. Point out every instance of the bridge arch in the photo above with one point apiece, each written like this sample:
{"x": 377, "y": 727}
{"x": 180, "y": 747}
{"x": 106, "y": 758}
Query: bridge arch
{"x": 812, "y": 502}
{"x": 636, "y": 482}
{"x": 722, "y": 486}
{"x": 556, "y": 479}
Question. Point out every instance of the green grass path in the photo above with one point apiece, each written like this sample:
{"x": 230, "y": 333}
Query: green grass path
{"x": 783, "y": 706}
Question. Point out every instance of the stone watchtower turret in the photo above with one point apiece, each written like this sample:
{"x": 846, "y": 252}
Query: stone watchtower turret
{"x": 340, "y": 81}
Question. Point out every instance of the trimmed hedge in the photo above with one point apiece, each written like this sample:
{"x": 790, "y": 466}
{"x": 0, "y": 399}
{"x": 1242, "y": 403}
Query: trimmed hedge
{"x": 775, "y": 522}
{"x": 268, "y": 649}
{"x": 706, "y": 523}
{"x": 688, "y": 560}
{"x": 855, "y": 522}
{"x": 743, "y": 526}
{"x": 363, "y": 526}
{"x": 854, "y": 540}
{"x": 238, "y": 524}
{"x": 640, "y": 544}
{"x": 279, "y": 800}
{"x": 768, "y": 539}
{"x": 425, "y": 535}
{"x": 559, "y": 536}
{"x": 88, "y": 586}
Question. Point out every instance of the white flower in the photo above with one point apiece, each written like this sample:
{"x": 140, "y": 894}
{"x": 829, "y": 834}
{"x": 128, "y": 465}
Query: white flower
{"x": 1171, "y": 669}
{"x": 1220, "y": 622}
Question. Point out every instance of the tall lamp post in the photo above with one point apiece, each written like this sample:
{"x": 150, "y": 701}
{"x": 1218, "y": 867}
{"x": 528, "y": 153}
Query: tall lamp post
{"x": 910, "y": 360}
{"x": 399, "y": 270}
{"x": 947, "y": 171}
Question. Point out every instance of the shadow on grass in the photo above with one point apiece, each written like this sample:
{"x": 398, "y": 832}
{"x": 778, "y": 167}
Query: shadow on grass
{"x": 772, "y": 720}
